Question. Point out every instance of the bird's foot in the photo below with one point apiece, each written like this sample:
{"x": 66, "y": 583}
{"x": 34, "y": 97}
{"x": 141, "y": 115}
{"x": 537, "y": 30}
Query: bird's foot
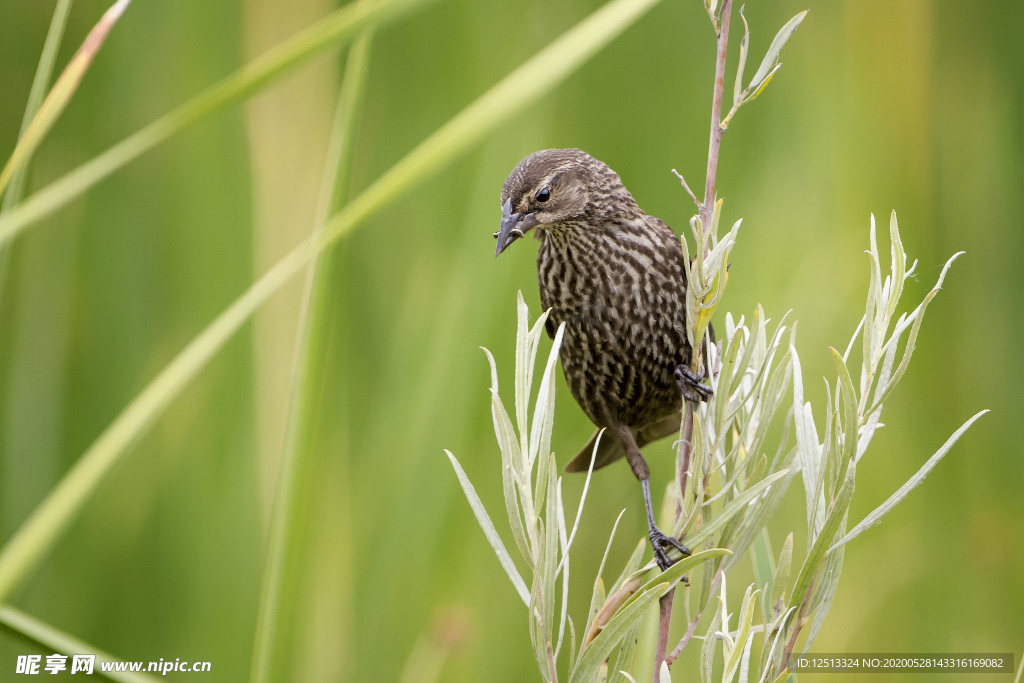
{"x": 690, "y": 384}
{"x": 662, "y": 544}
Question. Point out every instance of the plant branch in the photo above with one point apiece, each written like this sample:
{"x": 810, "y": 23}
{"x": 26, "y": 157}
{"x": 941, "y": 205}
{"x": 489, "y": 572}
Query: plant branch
{"x": 715, "y": 143}
{"x": 706, "y": 209}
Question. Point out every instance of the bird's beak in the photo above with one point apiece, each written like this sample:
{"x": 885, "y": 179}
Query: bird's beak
{"x": 513, "y": 226}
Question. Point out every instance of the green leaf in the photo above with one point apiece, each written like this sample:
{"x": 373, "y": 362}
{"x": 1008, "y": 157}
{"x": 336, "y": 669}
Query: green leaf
{"x": 825, "y": 590}
{"x": 746, "y": 618}
{"x": 490, "y": 532}
{"x": 708, "y": 647}
{"x": 624, "y": 658}
{"x": 918, "y": 317}
{"x": 763, "y": 562}
{"x": 596, "y": 652}
{"x": 763, "y": 511}
{"x": 524, "y": 374}
{"x": 783, "y": 568}
{"x": 876, "y": 515}
{"x": 809, "y": 449}
{"x": 510, "y": 477}
{"x": 735, "y": 506}
{"x": 737, "y": 90}
{"x": 544, "y": 409}
{"x": 768, "y": 64}
{"x": 851, "y": 420}
{"x": 680, "y": 569}
{"x": 812, "y": 562}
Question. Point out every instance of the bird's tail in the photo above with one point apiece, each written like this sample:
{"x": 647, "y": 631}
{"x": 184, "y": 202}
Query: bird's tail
{"x": 610, "y": 449}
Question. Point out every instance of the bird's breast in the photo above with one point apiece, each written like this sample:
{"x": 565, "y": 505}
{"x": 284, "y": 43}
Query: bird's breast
{"x": 621, "y": 295}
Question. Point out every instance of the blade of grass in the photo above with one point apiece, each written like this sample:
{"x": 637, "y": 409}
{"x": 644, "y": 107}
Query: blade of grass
{"x": 61, "y": 93}
{"x": 311, "y": 350}
{"x": 514, "y": 93}
{"x": 333, "y": 29}
{"x": 29, "y": 628}
{"x": 40, "y": 83}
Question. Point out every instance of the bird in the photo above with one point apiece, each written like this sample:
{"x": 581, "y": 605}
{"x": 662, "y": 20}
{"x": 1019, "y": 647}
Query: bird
{"x": 616, "y": 278}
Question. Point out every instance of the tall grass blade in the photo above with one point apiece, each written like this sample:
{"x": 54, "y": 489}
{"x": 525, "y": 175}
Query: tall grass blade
{"x": 40, "y": 83}
{"x": 310, "y": 355}
{"x": 61, "y": 93}
{"x": 333, "y": 29}
{"x": 514, "y": 93}
{"x": 27, "y": 627}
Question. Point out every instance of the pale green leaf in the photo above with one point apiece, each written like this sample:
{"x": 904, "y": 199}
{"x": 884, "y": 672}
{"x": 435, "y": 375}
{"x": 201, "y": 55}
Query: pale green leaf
{"x": 876, "y": 515}
{"x": 490, "y": 532}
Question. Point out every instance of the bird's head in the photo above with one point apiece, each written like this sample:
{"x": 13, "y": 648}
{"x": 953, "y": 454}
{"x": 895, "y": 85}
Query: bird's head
{"x": 553, "y": 187}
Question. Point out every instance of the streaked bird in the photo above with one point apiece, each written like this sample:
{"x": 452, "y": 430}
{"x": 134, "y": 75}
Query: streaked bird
{"x": 615, "y": 276}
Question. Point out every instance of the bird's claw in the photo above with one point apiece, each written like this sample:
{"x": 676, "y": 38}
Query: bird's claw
{"x": 662, "y": 544}
{"x": 687, "y": 379}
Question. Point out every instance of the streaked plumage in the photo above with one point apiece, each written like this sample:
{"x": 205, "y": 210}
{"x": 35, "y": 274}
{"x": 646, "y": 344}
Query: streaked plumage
{"x": 615, "y": 276}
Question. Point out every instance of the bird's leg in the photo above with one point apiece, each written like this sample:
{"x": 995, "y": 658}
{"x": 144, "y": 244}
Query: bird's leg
{"x": 689, "y": 380}
{"x": 660, "y": 542}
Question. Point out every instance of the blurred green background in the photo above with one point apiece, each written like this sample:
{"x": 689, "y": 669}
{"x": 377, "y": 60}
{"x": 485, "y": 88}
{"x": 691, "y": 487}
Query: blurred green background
{"x": 915, "y": 106}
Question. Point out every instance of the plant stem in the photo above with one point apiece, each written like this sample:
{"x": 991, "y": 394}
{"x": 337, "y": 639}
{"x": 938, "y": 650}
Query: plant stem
{"x": 705, "y": 213}
{"x": 664, "y": 623}
{"x": 715, "y": 143}
{"x": 693, "y": 623}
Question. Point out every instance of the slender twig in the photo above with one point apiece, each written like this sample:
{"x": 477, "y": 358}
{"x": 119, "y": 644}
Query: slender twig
{"x": 715, "y": 143}
{"x": 686, "y": 187}
{"x": 671, "y": 658}
{"x": 706, "y": 210}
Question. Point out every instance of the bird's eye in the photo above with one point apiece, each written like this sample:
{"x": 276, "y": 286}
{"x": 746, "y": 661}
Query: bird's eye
{"x": 544, "y": 194}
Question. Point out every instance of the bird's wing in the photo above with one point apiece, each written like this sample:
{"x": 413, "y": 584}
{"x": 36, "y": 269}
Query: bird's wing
{"x": 611, "y": 449}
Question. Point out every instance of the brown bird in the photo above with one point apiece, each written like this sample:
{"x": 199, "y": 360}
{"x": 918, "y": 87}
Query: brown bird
{"x": 615, "y": 276}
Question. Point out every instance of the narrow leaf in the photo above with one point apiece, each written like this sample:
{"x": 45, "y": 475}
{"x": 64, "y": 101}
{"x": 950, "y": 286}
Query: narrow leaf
{"x": 490, "y": 532}
{"x": 594, "y": 654}
{"x": 772, "y": 56}
{"x": 876, "y": 515}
